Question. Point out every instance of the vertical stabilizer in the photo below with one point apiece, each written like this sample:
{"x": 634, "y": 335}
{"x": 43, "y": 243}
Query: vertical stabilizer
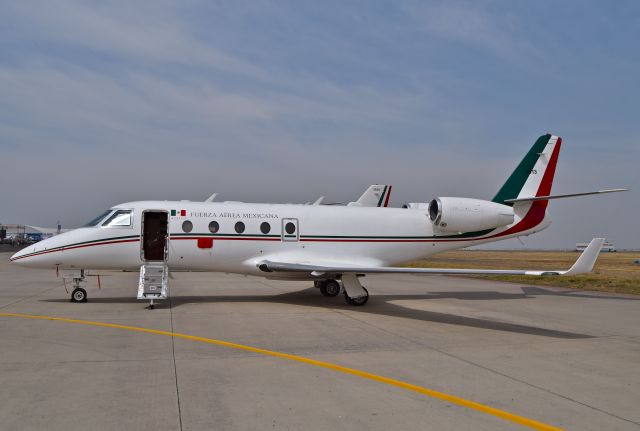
{"x": 377, "y": 195}
{"x": 534, "y": 175}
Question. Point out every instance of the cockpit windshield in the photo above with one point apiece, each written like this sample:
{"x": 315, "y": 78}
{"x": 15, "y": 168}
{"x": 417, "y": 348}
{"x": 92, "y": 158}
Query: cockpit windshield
{"x": 98, "y": 219}
{"x": 120, "y": 218}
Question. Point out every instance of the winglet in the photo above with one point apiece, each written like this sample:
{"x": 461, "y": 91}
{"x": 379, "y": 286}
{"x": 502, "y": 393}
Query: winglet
{"x": 587, "y": 259}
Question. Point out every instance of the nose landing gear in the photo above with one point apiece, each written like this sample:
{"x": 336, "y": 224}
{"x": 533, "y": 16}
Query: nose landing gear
{"x": 79, "y": 295}
{"x": 77, "y": 275}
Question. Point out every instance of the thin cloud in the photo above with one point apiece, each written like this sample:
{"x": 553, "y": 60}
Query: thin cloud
{"x": 468, "y": 24}
{"x": 140, "y": 33}
{"x": 285, "y": 102}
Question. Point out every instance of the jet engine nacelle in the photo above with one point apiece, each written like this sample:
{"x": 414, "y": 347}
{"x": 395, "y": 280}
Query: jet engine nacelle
{"x": 468, "y": 215}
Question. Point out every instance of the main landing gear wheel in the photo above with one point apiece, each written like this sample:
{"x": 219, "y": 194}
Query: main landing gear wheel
{"x": 330, "y": 288}
{"x": 358, "y": 300}
{"x": 79, "y": 295}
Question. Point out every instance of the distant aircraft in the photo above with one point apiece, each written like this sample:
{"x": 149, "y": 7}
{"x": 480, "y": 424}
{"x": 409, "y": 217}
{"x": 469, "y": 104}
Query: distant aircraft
{"x": 376, "y": 195}
{"x": 332, "y": 245}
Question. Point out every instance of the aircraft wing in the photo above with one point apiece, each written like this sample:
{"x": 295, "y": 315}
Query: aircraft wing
{"x": 583, "y": 265}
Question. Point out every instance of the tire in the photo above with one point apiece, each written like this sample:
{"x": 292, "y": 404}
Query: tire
{"x": 79, "y": 295}
{"x": 358, "y": 301}
{"x": 330, "y": 288}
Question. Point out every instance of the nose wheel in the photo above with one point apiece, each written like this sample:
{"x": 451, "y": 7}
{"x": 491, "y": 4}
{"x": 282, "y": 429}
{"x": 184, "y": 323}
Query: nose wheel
{"x": 79, "y": 295}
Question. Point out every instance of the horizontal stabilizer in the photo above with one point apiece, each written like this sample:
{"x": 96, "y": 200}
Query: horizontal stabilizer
{"x": 571, "y": 195}
{"x": 583, "y": 265}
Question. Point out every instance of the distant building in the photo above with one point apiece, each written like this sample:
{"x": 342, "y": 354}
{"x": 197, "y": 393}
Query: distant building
{"x": 19, "y": 234}
{"x": 607, "y": 246}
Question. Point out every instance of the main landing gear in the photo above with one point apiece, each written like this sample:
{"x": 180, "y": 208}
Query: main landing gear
{"x": 357, "y": 300}
{"x": 354, "y": 293}
{"x": 328, "y": 288}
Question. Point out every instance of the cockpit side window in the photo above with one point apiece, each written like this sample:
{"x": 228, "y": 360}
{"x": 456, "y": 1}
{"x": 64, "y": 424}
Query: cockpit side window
{"x": 120, "y": 218}
{"x": 98, "y": 219}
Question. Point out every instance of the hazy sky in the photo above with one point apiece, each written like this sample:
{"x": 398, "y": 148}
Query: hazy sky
{"x": 286, "y": 101}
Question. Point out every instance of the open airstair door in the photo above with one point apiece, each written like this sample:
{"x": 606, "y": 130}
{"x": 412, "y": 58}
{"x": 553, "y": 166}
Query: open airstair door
{"x": 154, "y": 272}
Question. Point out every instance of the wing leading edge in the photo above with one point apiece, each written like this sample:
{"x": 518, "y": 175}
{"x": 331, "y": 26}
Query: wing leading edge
{"x": 583, "y": 264}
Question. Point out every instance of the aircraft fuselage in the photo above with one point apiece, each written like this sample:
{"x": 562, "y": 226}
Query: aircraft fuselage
{"x": 235, "y": 237}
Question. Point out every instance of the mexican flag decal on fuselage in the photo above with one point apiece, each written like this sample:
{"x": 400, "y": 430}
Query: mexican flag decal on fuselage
{"x": 179, "y": 213}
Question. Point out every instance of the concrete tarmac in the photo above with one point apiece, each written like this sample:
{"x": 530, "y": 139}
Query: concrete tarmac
{"x": 570, "y": 359}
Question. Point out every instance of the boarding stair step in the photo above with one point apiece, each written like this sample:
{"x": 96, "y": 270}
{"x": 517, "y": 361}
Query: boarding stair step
{"x": 154, "y": 280}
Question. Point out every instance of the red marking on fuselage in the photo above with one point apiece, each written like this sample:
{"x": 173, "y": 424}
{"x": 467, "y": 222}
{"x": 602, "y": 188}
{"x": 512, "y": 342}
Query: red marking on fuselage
{"x": 226, "y": 239}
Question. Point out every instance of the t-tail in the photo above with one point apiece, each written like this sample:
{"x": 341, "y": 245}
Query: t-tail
{"x": 519, "y": 207}
{"x": 533, "y": 177}
{"x": 528, "y": 189}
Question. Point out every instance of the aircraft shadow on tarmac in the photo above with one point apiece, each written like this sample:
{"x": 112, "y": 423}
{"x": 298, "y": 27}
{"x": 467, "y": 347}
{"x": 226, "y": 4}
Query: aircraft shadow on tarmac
{"x": 381, "y": 304}
{"x": 526, "y": 292}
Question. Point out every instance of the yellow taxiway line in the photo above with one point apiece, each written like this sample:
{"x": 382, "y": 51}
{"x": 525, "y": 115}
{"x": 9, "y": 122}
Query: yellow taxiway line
{"x": 530, "y": 423}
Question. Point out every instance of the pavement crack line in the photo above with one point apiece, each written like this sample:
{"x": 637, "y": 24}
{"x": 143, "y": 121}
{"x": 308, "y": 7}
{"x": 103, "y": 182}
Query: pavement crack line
{"x": 175, "y": 368}
{"x": 491, "y": 370}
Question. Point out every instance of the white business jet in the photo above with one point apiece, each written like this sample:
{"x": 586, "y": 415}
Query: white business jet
{"x": 332, "y": 245}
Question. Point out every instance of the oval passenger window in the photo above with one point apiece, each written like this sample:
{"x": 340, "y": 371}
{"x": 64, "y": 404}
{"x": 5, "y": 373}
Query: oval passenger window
{"x": 214, "y": 227}
{"x": 239, "y": 227}
{"x": 265, "y": 228}
{"x": 290, "y": 228}
{"x": 187, "y": 226}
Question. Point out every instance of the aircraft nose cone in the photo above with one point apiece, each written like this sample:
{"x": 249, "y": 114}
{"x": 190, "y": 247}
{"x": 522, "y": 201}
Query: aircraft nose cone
{"x": 42, "y": 254}
{"x": 20, "y": 258}
{"x": 32, "y": 256}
